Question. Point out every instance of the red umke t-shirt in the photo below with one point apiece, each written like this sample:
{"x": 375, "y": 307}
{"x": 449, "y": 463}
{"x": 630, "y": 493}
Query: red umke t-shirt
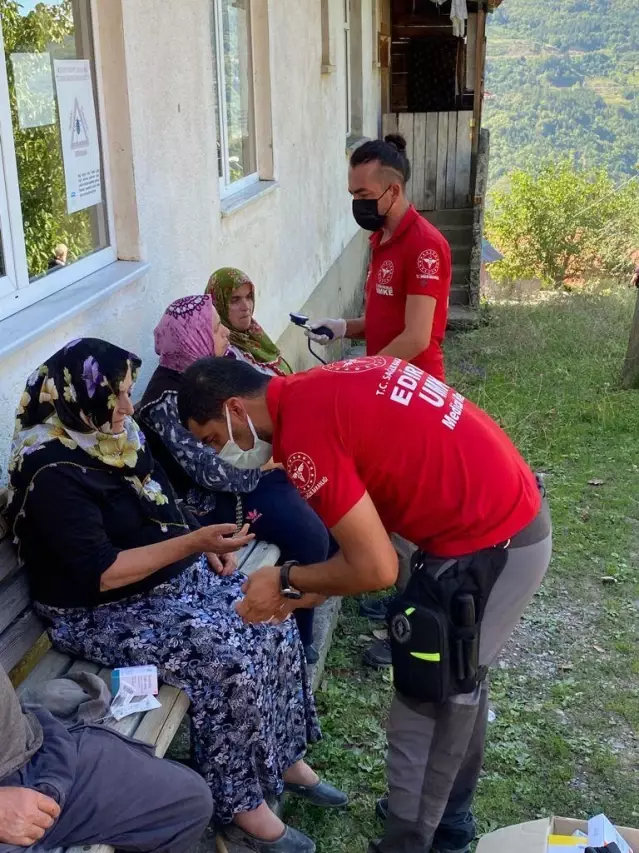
{"x": 415, "y": 261}
{"x": 439, "y": 470}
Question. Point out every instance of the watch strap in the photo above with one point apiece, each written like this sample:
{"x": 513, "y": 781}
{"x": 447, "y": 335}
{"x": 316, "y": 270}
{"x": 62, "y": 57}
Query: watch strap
{"x": 285, "y": 584}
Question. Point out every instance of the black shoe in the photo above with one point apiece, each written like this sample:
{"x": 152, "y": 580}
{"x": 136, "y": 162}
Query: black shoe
{"x": 312, "y": 655}
{"x": 376, "y": 609}
{"x": 378, "y": 655}
{"x": 381, "y": 807}
{"x": 381, "y": 812}
{"x": 322, "y": 794}
{"x": 292, "y": 841}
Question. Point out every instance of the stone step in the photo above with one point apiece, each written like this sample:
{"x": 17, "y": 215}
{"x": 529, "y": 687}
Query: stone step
{"x": 459, "y": 295}
{"x": 460, "y": 254}
{"x": 462, "y": 318}
{"x": 460, "y": 274}
{"x": 448, "y": 218}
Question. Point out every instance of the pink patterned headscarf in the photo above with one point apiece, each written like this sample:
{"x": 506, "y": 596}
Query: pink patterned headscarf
{"x": 185, "y": 332}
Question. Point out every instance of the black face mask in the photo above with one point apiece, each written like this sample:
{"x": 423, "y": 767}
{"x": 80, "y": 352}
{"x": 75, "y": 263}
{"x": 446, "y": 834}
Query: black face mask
{"x": 366, "y": 213}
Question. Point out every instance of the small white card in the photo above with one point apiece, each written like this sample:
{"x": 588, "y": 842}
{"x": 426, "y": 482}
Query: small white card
{"x": 143, "y": 679}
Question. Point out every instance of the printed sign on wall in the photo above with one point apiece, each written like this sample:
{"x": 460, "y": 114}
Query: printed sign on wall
{"x": 79, "y": 133}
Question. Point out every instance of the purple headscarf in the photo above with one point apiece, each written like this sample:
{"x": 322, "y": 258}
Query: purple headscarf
{"x": 185, "y": 332}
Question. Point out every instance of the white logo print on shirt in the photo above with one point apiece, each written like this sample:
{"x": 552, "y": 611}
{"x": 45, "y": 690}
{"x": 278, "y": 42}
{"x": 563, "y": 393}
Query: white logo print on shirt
{"x": 302, "y": 473}
{"x": 428, "y": 264}
{"x": 384, "y": 278}
{"x": 356, "y": 365}
{"x": 301, "y": 470}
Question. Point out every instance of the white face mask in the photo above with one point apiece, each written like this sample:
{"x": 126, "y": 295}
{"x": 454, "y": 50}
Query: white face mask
{"x": 257, "y": 456}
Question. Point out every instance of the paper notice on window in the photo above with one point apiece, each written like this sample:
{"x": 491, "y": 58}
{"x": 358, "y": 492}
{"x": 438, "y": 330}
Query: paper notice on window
{"x": 35, "y": 100}
{"x": 78, "y": 133}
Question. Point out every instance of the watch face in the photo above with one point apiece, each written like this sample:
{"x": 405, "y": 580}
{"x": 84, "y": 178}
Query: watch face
{"x": 292, "y": 593}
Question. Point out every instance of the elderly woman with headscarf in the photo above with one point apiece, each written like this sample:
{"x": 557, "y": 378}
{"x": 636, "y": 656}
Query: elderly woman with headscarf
{"x": 212, "y": 487}
{"x": 233, "y": 294}
{"x": 122, "y": 579}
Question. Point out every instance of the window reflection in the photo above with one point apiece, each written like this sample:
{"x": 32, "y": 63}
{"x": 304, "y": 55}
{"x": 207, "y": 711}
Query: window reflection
{"x": 35, "y": 34}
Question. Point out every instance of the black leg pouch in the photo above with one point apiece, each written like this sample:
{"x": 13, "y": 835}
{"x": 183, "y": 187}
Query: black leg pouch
{"x": 435, "y": 625}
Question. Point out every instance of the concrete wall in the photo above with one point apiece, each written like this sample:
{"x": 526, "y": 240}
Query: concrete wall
{"x": 299, "y": 242}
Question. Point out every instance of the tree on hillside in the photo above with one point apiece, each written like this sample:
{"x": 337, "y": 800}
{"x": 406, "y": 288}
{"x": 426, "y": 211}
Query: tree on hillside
{"x": 563, "y": 78}
{"x": 563, "y": 223}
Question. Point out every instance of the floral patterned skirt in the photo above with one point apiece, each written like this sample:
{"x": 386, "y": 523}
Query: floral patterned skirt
{"x": 252, "y": 709}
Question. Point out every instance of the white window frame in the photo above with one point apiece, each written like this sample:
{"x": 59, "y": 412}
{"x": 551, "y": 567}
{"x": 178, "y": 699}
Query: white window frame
{"x": 228, "y": 188}
{"x": 8, "y": 281}
{"x": 16, "y": 291}
{"x": 354, "y": 47}
{"x": 348, "y": 66}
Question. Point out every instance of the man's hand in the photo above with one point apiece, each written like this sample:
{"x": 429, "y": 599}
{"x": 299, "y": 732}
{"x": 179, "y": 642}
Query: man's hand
{"x": 307, "y": 601}
{"x": 224, "y": 565}
{"x": 262, "y": 601}
{"x": 337, "y": 327}
{"x": 25, "y": 816}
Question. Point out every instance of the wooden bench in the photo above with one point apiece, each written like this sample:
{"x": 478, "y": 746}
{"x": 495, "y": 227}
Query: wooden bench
{"x": 26, "y": 654}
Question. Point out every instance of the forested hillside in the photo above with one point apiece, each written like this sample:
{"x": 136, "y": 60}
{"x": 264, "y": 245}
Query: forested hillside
{"x": 563, "y": 79}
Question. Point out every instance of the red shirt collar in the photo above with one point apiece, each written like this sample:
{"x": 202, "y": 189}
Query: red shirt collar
{"x": 273, "y": 398}
{"x": 407, "y": 220}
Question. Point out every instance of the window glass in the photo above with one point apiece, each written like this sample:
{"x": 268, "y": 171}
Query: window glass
{"x": 54, "y": 113}
{"x": 237, "y": 158}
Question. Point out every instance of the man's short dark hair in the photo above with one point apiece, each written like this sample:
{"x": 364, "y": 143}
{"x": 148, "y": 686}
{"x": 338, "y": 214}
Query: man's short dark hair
{"x": 389, "y": 152}
{"x": 210, "y": 382}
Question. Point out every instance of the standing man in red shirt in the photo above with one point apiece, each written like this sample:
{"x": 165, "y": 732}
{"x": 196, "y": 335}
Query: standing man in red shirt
{"x": 409, "y": 275}
{"x": 406, "y": 295}
{"x": 378, "y": 446}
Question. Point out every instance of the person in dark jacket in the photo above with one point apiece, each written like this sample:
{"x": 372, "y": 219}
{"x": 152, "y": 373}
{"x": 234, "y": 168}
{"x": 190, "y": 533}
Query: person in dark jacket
{"x": 123, "y": 578}
{"x": 87, "y": 785}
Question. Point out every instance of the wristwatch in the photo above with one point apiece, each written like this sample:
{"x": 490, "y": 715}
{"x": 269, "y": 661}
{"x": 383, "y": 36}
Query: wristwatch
{"x": 286, "y": 589}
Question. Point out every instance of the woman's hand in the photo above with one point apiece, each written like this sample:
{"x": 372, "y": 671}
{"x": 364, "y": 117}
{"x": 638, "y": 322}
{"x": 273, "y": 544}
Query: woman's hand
{"x": 271, "y": 466}
{"x": 262, "y": 600}
{"x": 224, "y": 565}
{"x": 221, "y": 538}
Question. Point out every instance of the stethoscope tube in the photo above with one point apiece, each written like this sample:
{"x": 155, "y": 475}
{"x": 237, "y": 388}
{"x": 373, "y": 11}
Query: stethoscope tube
{"x": 313, "y": 353}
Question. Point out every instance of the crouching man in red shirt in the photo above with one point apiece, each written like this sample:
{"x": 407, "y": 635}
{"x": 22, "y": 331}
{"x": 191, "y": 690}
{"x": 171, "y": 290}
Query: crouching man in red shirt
{"x": 377, "y": 446}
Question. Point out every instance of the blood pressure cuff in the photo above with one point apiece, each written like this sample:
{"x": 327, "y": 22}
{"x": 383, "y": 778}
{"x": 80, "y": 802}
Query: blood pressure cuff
{"x": 435, "y": 624}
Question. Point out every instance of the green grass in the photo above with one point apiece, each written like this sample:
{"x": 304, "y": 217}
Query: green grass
{"x": 566, "y": 693}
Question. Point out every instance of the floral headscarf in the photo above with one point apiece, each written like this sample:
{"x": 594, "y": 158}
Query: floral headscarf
{"x": 64, "y": 417}
{"x": 185, "y": 332}
{"x": 255, "y": 343}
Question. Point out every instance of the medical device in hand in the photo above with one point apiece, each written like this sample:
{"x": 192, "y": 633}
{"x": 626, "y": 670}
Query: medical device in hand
{"x": 303, "y": 322}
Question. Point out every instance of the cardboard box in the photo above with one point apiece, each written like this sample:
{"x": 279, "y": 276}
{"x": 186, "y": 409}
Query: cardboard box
{"x": 533, "y": 837}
